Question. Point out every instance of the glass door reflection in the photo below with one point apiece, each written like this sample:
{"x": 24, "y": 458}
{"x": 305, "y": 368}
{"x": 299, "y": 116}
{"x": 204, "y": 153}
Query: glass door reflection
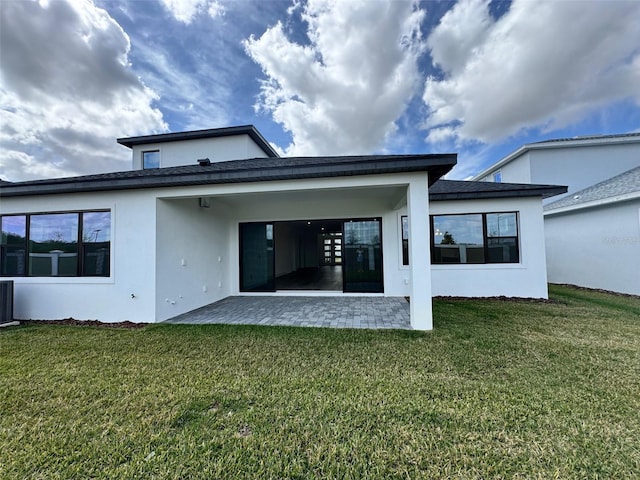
{"x": 362, "y": 256}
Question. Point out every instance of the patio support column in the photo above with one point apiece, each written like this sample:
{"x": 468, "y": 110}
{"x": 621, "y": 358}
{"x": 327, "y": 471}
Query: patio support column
{"x": 419, "y": 253}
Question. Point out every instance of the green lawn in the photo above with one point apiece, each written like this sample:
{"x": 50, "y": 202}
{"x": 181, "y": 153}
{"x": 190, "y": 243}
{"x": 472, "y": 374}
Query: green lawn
{"x": 497, "y": 390}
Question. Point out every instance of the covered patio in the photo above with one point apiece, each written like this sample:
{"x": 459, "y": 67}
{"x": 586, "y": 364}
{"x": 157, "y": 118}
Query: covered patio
{"x": 304, "y": 311}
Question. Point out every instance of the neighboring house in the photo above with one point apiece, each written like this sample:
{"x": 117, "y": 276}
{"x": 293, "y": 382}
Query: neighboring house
{"x": 213, "y": 213}
{"x": 576, "y": 162}
{"x": 593, "y": 236}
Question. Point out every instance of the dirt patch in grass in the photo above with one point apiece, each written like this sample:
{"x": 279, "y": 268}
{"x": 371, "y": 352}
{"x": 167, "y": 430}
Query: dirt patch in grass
{"x": 497, "y": 299}
{"x": 85, "y": 323}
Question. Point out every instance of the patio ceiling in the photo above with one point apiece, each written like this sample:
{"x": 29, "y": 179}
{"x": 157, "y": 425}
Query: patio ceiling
{"x": 390, "y": 196}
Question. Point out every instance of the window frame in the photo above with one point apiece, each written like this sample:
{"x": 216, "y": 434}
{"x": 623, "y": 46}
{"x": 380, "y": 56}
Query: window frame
{"x": 485, "y": 238}
{"x": 497, "y": 176}
{"x": 79, "y": 270}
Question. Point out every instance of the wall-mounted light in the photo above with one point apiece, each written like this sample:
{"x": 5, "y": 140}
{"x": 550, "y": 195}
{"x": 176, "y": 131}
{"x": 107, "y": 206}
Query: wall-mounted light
{"x": 204, "y": 202}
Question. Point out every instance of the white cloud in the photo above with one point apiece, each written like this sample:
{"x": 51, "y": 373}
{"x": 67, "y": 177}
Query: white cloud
{"x": 542, "y": 65}
{"x": 186, "y": 10}
{"x": 187, "y": 93}
{"x": 67, "y": 92}
{"x": 341, "y": 93}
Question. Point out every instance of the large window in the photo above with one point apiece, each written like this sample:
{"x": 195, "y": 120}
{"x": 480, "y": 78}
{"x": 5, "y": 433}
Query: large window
{"x": 475, "y": 238}
{"x": 66, "y": 244}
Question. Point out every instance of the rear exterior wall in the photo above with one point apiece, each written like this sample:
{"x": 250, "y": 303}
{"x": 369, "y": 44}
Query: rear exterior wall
{"x": 527, "y": 279}
{"x": 596, "y": 247}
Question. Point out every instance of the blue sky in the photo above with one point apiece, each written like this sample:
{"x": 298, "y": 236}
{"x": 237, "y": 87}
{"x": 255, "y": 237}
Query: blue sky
{"x": 316, "y": 78}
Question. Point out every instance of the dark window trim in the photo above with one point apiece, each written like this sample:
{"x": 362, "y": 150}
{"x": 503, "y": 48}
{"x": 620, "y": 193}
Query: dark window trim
{"x": 80, "y": 262}
{"x": 485, "y": 238}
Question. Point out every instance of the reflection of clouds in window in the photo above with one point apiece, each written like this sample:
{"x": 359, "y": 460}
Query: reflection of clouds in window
{"x": 405, "y": 228}
{"x": 151, "y": 159}
{"x": 362, "y": 232}
{"x": 502, "y": 225}
{"x": 465, "y": 229}
{"x": 59, "y": 227}
{"x": 14, "y": 225}
{"x": 96, "y": 226}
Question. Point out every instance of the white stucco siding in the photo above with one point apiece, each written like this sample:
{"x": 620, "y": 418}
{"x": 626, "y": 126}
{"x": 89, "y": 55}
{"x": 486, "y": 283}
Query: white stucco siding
{"x": 192, "y": 262}
{"x": 517, "y": 171}
{"x": 527, "y": 279}
{"x": 596, "y": 247}
{"x": 580, "y": 167}
{"x": 95, "y": 298}
{"x": 188, "y": 152}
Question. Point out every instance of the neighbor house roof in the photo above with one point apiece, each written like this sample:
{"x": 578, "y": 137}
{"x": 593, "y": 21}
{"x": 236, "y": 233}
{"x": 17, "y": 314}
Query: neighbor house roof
{"x": 467, "y": 190}
{"x": 250, "y": 130}
{"x": 616, "y": 189}
{"x": 587, "y": 140}
{"x": 239, "y": 171}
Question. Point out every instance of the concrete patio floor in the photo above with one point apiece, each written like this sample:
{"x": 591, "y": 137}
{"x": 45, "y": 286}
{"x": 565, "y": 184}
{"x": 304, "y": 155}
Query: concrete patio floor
{"x": 298, "y": 311}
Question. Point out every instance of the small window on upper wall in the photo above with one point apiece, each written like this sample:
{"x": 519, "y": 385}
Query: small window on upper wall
{"x": 497, "y": 176}
{"x": 151, "y": 159}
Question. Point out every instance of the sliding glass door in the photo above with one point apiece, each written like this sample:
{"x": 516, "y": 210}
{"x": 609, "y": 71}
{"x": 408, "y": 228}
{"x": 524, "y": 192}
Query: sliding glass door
{"x": 257, "y": 261}
{"x": 362, "y": 256}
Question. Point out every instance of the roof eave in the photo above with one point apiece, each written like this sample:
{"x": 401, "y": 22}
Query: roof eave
{"x": 500, "y": 163}
{"x": 544, "y": 192}
{"x": 592, "y": 204}
{"x": 436, "y": 167}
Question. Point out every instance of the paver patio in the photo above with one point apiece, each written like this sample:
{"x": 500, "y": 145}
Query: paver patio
{"x": 330, "y": 312}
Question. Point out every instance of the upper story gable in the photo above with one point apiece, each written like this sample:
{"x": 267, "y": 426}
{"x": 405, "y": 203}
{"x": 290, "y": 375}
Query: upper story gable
{"x": 576, "y": 162}
{"x": 186, "y": 148}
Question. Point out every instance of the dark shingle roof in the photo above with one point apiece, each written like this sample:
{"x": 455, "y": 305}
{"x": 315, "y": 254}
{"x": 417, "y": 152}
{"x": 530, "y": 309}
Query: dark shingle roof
{"x": 239, "y": 171}
{"x": 465, "y": 190}
{"x": 623, "y": 184}
{"x": 250, "y": 130}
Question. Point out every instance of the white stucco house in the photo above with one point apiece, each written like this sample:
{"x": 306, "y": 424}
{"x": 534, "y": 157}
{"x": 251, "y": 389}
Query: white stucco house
{"x": 209, "y": 214}
{"x": 590, "y": 232}
{"x": 593, "y": 236}
{"x": 578, "y": 162}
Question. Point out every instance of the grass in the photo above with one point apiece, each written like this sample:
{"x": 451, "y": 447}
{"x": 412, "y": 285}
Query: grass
{"x": 497, "y": 390}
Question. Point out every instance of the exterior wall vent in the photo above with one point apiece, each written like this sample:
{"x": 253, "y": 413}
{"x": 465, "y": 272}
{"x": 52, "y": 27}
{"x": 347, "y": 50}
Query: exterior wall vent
{"x": 204, "y": 162}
